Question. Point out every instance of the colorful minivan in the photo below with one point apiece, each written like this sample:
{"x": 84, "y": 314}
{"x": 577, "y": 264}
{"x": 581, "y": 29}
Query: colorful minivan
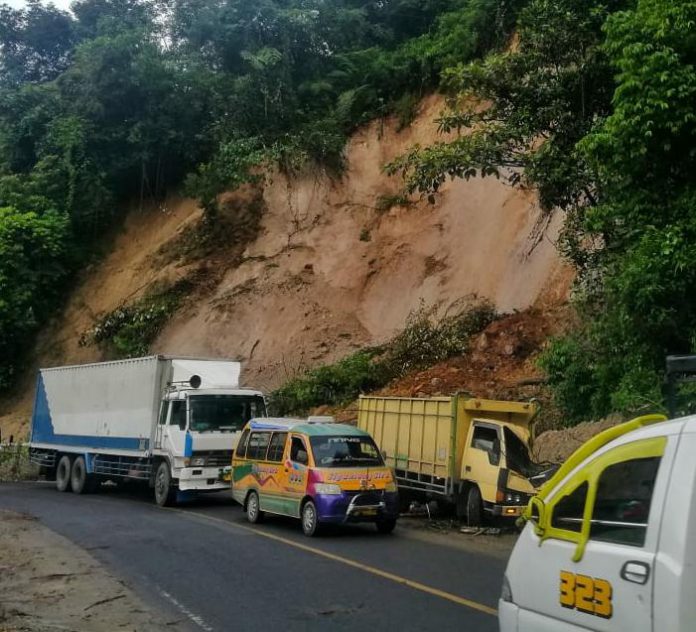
{"x": 318, "y": 471}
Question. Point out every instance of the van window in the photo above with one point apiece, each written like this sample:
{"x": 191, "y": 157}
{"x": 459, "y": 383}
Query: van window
{"x": 277, "y": 446}
{"x": 568, "y": 512}
{"x": 258, "y": 443}
{"x": 178, "y": 417}
{"x": 622, "y": 507}
{"x": 242, "y": 445}
{"x": 298, "y": 451}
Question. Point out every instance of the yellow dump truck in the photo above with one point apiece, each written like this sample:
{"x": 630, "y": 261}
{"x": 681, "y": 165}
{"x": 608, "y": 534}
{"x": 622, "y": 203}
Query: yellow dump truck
{"x": 470, "y": 452}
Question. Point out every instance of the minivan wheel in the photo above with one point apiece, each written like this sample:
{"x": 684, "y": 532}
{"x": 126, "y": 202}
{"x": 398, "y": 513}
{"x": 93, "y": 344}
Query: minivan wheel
{"x": 253, "y": 509}
{"x": 165, "y": 492}
{"x": 474, "y": 507}
{"x": 310, "y": 519}
{"x": 63, "y": 473}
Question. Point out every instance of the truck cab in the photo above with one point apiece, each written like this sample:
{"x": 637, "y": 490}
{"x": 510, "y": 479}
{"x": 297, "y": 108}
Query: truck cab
{"x": 608, "y": 543}
{"x": 197, "y": 431}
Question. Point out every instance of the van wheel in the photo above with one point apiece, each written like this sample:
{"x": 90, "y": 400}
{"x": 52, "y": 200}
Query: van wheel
{"x": 385, "y": 527}
{"x": 310, "y": 519}
{"x": 474, "y": 507}
{"x": 63, "y": 473}
{"x": 253, "y": 509}
{"x": 80, "y": 481}
{"x": 165, "y": 492}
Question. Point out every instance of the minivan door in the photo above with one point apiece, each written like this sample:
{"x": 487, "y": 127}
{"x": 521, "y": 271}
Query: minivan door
{"x": 610, "y": 587}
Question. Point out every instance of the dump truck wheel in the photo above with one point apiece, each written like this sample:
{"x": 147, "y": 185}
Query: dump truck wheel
{"x": 474, "y": 507}
{"x": 253, "y": 509}
{"x": 165, "y": 492}
{"x": 63, "y": 473}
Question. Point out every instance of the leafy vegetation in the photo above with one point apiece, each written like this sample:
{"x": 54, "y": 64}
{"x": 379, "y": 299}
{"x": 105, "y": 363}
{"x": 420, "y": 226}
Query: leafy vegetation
{"x": 128, "y": 331}
{"x": 425, "y": 340}
{"x": 595, "y": 108}
{"x": 120, "y": 101}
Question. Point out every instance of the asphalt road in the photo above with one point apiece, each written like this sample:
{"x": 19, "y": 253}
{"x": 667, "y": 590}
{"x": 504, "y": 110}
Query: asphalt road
{"x": 204, "y": 564}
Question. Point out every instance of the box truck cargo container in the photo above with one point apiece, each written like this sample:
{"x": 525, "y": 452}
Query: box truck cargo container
{"x": 470, "y": 452}
{"x": 170, "y": 422}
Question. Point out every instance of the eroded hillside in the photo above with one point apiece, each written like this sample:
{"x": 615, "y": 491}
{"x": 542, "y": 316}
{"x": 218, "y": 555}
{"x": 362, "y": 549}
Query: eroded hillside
{"x": 313, "y": 267}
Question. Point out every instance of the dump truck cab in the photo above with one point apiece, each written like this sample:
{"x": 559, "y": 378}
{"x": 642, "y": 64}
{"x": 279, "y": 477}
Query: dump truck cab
{"x": 469, "y": 452}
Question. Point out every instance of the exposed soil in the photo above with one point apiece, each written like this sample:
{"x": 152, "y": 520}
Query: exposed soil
{"x": 47, "y": 584}
{"x": 327, "y": 271}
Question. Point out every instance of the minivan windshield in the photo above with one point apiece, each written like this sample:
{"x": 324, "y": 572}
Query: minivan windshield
{"x": 345, "y": 451}
{"x": 224, "y": 413}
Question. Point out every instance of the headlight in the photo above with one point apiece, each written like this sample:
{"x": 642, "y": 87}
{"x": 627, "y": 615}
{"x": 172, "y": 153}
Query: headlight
{"x": 198, "y": 461}
{"x": 327, "y": 488}
{"x": 391, "y": 487}
{"x": 506, "y": 591}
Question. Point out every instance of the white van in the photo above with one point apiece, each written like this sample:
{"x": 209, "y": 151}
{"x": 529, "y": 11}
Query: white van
{"x": 610, "y": 541}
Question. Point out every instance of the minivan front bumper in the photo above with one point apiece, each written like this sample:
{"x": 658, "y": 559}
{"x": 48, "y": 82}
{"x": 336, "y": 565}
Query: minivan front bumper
{"x": 367, "y": 506}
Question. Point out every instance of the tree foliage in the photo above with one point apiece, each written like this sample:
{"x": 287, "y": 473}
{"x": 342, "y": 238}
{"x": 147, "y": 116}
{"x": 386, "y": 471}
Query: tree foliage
{"x": 120, "y": 100}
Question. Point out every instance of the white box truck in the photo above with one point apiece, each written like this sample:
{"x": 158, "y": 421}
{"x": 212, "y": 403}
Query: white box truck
{"x": 170, "y": 422}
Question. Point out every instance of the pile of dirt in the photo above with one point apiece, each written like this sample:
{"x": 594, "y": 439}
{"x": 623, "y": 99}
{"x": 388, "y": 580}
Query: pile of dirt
{"x": 555, "y": 446}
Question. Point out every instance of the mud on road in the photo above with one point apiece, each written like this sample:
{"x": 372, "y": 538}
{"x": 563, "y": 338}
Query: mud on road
{"x": 48, "y": 584}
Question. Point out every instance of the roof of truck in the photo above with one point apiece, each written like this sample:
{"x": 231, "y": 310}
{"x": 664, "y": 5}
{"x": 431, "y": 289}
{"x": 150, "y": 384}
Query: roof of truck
{"x": 310, "y": 426}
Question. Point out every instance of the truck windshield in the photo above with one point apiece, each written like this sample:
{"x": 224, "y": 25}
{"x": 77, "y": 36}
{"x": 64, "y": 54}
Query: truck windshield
{"x": 517, "y": 454}
{"x": 226, "y": 413}
{"x": 341, "y": 451}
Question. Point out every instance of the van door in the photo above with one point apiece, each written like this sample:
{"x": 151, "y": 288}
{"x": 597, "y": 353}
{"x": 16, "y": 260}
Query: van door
{"x": 595, "y": 569}
{"x": 295, "y": 473}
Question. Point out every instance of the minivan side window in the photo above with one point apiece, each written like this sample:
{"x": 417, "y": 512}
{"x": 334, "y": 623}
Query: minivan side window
{"x": 622, "y": 506}
{"x": 298, "y": 451}
{"x": 242, "y": 444}
{"x": 277, "y": 447}
{"x": 569, "y": 511}
{"x": 258, "y": 443}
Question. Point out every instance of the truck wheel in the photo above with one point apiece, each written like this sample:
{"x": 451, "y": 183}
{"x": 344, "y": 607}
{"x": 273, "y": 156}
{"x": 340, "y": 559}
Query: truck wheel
{"x": 474, "y": 507}
{"x": 63, "y": 473}
{"x": 80, "y": 481}
{"x": 253, "y": 509}
{"x": 165, "y": 492}
{"x": 386, "y": 526}
{"x": 310, "y": 519}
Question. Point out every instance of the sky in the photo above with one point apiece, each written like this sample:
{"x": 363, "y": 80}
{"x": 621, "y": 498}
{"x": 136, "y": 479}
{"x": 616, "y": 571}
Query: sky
{"x": 62, "y": 4}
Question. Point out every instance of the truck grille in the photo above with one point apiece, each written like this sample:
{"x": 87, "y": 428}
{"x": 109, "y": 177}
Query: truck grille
{"x": 215, "y": 458}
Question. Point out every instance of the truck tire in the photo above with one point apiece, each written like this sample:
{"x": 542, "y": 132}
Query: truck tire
{"x": 253, "y": 508}
{"x": 80, "y": 481}
{"x": 474, "y": 507}
{"x": 63, "y": 470}
{"x": 165, "y": 492}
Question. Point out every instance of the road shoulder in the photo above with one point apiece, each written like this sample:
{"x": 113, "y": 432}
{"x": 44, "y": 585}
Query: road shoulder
{"x": 48, "y": 584}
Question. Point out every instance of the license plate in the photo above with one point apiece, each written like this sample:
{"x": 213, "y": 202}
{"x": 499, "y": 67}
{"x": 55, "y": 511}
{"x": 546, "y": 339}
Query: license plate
{"x": 367, "y": 512}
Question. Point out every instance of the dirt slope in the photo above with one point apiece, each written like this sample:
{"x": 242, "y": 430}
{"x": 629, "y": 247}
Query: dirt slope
{"x": 330, "y": 269}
